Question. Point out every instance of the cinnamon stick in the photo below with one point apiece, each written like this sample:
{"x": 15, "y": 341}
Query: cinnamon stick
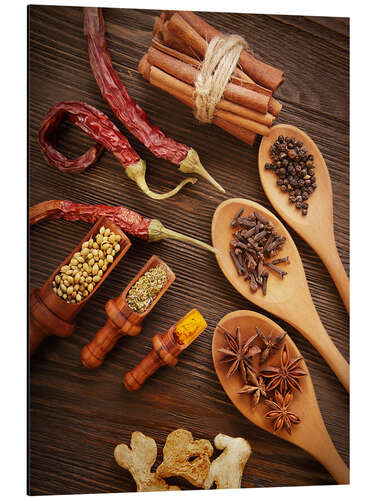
{"x": 188, "y": 74}
{"x": 241, "y": 79}
{"x": 169, "y": 84}
{"x": 262, "y": 73}
{"x": 184, "y": 40}
{"x": 184, "y": 93}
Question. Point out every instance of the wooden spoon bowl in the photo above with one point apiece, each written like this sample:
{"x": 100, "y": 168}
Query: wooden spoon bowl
{"x": 317, "y": 227}
{"x": 311, "y": 433}
{"x": 289, "y": 298}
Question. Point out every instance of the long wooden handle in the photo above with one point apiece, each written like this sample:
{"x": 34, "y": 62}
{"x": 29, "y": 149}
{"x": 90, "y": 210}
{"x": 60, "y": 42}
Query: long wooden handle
{"x": 312, "y": 328}
{"x": 335, "y": 268}
{"x": 336, "y": 466}
{"x": 325, "y": 452}
{"x": 36, "y": 336}
{"x": 93, "y": 353}
{"x": 135, "y": 378}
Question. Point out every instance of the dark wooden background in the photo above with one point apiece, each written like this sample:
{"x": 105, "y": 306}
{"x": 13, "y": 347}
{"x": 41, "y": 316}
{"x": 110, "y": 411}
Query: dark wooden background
{"x": 78, "y": 416}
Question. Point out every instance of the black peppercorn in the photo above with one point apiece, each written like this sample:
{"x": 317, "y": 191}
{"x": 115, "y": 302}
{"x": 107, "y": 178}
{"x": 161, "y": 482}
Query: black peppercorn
{"x": 295, "y": 169}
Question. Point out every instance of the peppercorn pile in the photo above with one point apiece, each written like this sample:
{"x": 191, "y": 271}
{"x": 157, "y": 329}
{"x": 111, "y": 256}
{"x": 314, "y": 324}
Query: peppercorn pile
{"x": 255, "y": 241}
{"x": 295, "y": 170}
{"x": 146, "y": 289}
{"x": 78, "y": 279}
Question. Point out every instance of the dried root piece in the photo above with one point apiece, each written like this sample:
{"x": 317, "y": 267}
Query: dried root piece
{"x": 179, "y": 448}
{"x": 138, "y": 460}
{"x": 226, "y": 471}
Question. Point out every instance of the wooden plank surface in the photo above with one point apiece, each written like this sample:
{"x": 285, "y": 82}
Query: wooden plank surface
{"x": 78, "y": 416}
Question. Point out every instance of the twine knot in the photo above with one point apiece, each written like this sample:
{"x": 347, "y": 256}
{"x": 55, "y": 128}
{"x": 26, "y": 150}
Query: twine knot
{"x": 219, "y": 63}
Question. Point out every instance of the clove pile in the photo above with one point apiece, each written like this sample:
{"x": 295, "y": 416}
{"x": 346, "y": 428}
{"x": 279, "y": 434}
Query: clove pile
{"x": 254, "y": 244}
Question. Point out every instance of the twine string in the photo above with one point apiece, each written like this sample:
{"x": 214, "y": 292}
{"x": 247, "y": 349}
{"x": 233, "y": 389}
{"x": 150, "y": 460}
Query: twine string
{"x": 219, "y": 63}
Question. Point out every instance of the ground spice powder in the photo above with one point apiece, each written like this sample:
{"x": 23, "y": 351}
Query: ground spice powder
{"x": 189, "y": 327}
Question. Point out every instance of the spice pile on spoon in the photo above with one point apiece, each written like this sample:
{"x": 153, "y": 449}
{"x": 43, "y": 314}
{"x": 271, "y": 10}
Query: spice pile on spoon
{"x": 144, "y": 291}
{"x": 77, "y": 279}
{"x": 255, "y": 240}
{"x": 272, "y": 385}
{"x": 295, "y": 170}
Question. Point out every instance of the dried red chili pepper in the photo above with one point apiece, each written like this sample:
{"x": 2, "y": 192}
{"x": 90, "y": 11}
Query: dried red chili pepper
{"x": 129, "y": 221}
{"x": 99, "y": 127}
{"x": 126, "y": 110}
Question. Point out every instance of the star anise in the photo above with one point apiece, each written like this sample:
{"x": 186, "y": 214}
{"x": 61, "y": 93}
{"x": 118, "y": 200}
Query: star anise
{"x": 238, "y": 353}
{"x": 280, "y": 414}
{"x": 255, "y": 387}
{"x": 285, "y": 376}
{"x": 270, "y": 344}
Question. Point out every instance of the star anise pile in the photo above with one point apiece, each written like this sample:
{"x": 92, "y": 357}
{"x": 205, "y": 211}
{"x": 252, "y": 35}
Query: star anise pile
{"x": 280, "y": 414}
{"x": 274, "y": 383}
{"x": 239, "y": 353}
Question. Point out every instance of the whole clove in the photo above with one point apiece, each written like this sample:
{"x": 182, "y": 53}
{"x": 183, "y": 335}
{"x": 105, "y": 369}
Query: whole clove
{"x": 236, "y": 262}
{"x": 235, "y": 218}
{"x": 264, "y": 283}
{"x": 295, "y": 170}
{"x": 281, "y": 261}
{"x": 252, "y": 246}
{"x": 276, "y": 269}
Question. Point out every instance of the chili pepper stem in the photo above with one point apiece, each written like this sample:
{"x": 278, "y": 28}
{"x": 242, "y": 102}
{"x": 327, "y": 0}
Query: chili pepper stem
{"x": 192, "y": 165}
{"x": 157, "y": 231}
{"x": 137, "y": 172}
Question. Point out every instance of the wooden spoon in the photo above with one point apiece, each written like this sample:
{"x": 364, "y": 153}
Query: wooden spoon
{"x": 289, "y": 298}
{"x": 317, "y": 227}
{"x": 310, "y": 434}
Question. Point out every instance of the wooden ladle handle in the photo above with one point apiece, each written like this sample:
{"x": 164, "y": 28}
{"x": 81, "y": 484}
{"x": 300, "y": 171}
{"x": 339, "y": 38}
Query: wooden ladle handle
{"x": 313, "y": 329}
{"x": 335, "y": 268}
{"x": 135, "y": 378}
{"x": 323, "y": 449}
{"x": 36, "y": 337}
{"x": 93, "y": 353}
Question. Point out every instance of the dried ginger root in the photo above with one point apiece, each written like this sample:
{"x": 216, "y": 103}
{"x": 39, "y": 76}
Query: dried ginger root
{"x": 138, "y": 460}
{"x": 227, "y": 469}
{"x": 179, "y": 447}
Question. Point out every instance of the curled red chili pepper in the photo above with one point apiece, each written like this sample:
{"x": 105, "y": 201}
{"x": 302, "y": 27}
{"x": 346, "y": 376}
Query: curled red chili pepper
{"x": 99, "y": 127}
{"x": 129, "y": 221}
{"x": 126, "y": 110}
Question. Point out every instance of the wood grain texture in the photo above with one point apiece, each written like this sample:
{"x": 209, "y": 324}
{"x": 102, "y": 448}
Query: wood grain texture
{"x": 77, "y": 416}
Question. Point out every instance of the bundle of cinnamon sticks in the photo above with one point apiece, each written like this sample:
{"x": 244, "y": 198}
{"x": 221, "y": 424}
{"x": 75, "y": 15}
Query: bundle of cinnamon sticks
{"x": 173, "y": 62}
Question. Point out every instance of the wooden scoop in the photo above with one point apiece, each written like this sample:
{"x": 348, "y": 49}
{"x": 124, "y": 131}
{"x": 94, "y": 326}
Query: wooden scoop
{"x": 310, "y": 434}
{"x": 51, "y": 315}
{"x": 289, "y": 298}
{"x": 316, "y": 228}
{"x": 122, "y": 320}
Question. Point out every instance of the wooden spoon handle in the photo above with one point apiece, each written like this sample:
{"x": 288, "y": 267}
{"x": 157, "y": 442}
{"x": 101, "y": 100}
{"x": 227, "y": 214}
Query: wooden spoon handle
{"x": 135, "y": 378}
{"x": 93, "y": 353}
{"x": 36, "y": 337}
{"x": 313, "y": 329}
{"x": 325, "y": 452}
{"x": 335, "y": 268}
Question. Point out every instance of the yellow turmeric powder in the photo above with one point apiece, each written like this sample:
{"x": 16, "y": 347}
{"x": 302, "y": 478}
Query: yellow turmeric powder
{"x": 189, "y": 327}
